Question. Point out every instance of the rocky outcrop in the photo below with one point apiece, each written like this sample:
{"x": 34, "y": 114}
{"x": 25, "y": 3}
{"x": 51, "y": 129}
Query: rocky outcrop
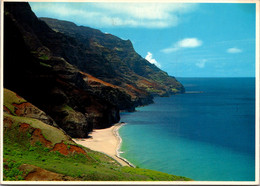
{"x": 47, "y": 81}
{"x": 36, "y": 151}
{"x": 79, "y": 76}
{"x": 34, "y": 173}
{"x": 17, "y": 106}
{"x": 26, "y": 122}
{"x": 123, "y": 66}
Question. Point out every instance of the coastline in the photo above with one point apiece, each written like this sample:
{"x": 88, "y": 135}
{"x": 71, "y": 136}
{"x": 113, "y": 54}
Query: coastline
{"x": 107, "y": 141}
{"x": 119, "y": 140}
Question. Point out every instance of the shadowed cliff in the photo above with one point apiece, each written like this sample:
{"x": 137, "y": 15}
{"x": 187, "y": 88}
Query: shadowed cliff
{"x": 79, "y": 76}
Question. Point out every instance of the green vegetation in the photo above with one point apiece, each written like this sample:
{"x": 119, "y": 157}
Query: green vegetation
{"x": 96, "y": 44}
{"x": 154, "y": 91}
{"x": 67, "y": 107}
{"x": 31, "y": 141}
{"x": 12, "y": 171}
{"x": 119, "y": 49}
{"x": 174, "y": 90}
{"x": 154, "y": 175}
{"x": 93, "y": 166}
{"x": 44, "y": 57}
{"x": 51, "y": 133}
{"x": 45, "y": 65}
{"x": 11, "y": 98}
{"x": 97, "y": 167}
{"x": 19, "y": 149}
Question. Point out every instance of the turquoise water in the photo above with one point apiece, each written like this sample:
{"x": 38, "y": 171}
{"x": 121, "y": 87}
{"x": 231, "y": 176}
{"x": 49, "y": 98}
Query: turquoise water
{"x": 207, "y": 134}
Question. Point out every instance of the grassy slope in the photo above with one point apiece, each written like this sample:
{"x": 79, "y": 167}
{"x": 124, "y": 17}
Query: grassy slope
{"x": 19, "y": 149}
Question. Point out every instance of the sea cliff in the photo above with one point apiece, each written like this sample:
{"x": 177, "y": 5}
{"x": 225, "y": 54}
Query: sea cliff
{"x": 63, "y": 81}
{"x": 79, "y": 76}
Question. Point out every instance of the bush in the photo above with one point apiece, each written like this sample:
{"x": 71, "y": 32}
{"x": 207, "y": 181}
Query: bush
{"x": 12, "y": 171}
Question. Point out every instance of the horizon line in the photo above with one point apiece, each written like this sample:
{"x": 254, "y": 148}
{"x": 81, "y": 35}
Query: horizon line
{"x": 215, "y": 77}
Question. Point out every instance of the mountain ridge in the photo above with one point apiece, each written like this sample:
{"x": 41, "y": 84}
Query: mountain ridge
{"x": 120, "y": 54}
{"x": 81, "y": 81}
{"x": 57, "y": 87}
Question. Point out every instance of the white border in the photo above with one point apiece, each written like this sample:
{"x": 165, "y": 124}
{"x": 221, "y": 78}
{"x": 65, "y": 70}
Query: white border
{"x": 257, "y": 104}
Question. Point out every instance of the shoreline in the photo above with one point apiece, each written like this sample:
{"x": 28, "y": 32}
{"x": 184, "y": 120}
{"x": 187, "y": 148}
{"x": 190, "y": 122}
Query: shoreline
{"x": 107, "y": 141}
{"x": 119, "y": 140}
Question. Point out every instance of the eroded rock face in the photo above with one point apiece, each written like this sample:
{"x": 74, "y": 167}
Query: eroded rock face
{"x": 86, "y": 75}
{"x": 32, "y": 131}
{"x": 48, "y": 81}
{"x": 122, "y": 66}
{"x": 24, "y": 127}
{"x": 34, "y": 173}
{"x": 75, "y": 123}
{"x": 29, "y": 110}
{"x": 16, "y": 105}
{"x": 68, "y": 149}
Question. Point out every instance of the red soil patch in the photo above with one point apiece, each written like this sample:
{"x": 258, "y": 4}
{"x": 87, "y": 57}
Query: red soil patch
{"x": 134, "y": 88}
{"x": 144, "y": 81}
{"x": 134, "y": 91}
{"x": 67, "y": 149}
{"x": 20, "y": 108}
{"x": 7, "y": 110}
{"x": 38, "y": 174}
{"x": 24, "y": 127}
{"x": 37, "y": 136}
{"x": 91, "y": 79}
{"x": 62, "y": 82}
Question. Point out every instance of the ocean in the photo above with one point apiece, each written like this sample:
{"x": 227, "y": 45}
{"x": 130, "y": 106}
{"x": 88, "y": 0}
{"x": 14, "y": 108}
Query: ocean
{"x": 206, "y": 134}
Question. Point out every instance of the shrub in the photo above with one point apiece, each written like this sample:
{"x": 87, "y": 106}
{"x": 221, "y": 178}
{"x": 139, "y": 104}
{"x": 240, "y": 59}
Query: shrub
{"x": 12, "y": 171}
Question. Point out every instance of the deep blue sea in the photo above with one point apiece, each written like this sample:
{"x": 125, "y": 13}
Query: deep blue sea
{"x": 206, "y": 134}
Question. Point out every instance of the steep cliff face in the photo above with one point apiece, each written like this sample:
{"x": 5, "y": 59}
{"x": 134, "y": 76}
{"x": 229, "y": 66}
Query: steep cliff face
{"x": 79, "y": 76}
{"x": 119, "y": 57}
{"x": 33, "y": 150}
{"x": 48, "y": 81}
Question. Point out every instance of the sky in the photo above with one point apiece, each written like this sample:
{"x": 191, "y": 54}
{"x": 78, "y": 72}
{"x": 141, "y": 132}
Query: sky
{"x": 183, "y": 39}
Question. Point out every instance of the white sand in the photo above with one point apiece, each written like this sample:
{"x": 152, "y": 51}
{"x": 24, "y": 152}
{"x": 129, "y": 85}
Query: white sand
{"x": 106, "y": 141}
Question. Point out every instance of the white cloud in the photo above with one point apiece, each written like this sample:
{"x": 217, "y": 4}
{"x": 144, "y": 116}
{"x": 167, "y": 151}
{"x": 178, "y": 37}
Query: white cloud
{"x": 201, "y": 63}
{"x": 147, "y": 15}
{"x": 147, "y": 10}
{"x": 149, "y": 57}
{"x": 234, "y": 50}
{"x": 184, "y": 43}
{"x": 189, "y": 43}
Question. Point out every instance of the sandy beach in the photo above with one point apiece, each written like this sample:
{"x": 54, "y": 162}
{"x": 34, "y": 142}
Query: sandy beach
{"x": 106, "y": 141}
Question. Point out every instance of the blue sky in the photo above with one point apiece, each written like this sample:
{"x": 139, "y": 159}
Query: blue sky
{"x": 183, "y": 39}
